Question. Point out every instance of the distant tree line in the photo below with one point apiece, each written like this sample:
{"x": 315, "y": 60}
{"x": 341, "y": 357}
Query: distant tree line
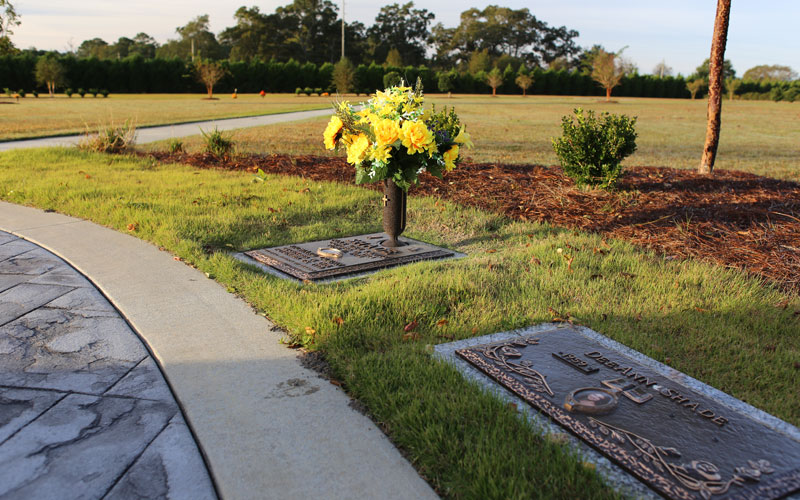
{"x": 139, "y": 75}
{"x": 297, "y": 45}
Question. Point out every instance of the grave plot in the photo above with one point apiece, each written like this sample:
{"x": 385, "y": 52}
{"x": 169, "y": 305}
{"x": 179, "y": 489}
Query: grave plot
{"x": 344, "y": 257}
{"x": 683, "y": 439}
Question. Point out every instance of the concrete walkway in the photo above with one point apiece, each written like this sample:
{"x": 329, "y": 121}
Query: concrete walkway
{"x": 84, "y": 410}
{"x": 160, "y": 133}
{"x": 268, "y": 427}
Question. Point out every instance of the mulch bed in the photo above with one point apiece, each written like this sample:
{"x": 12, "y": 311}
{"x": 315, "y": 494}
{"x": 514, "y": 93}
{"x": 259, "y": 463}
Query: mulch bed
{"x": 731, "y": 218}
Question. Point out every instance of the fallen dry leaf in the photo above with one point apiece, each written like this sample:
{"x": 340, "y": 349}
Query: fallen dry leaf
{"x": 442, "y": 322}
{"x": 133, "y": 226}
{"x": 569, "y": 262}
{"x": 310, "y": 331}
{"x": 338, "y": 320}
{"x": 411, "y": 326}
{"x": 782, "y": 304}
{"x": 474, "y": 330}
{"x": 410, "y": 336}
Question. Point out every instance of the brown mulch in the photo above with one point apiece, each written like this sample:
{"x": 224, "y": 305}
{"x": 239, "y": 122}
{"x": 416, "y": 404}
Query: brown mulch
{"x": 731, "y": 218}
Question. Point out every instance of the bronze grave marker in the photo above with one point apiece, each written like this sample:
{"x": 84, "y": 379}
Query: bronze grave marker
{"x": 681, "y": 442}
{"x": 341, "y": 257}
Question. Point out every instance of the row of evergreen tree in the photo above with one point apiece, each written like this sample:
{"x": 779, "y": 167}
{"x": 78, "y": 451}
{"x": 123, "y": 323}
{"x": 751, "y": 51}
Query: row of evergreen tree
{"x": 140, "y": 75}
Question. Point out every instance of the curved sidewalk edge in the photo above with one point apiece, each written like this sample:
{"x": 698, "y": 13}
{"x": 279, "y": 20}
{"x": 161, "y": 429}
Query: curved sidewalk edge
{"x": 269, "y": 427}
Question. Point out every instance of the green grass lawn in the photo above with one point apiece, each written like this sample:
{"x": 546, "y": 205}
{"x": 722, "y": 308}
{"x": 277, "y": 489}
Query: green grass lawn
{"x": 757, "y": 136}
{"x": 43, "y": 116}
{"x": 715, "y": 324}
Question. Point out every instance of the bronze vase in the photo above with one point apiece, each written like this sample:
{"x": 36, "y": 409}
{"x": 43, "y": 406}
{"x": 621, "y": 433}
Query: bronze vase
{"x": 394, "y": 213}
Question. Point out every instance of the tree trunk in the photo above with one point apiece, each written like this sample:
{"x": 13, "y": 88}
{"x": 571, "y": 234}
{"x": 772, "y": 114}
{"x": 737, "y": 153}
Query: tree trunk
{"x": 494, "y": 91}
{"x": 51, "y": 87}
{"x": 524, "y": 91}
{"x": 210, "y": 91}
{"x": 608, "y": 94}
{"x": 715, "y": 67}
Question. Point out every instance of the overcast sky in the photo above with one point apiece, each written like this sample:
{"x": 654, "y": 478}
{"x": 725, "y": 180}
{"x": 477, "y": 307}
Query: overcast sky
{"x": 677, "y": 32}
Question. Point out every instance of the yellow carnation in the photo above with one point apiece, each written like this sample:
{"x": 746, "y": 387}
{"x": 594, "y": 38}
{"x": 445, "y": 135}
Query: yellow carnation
{"x": 357, "y": 149}
{"x": 463, "y": 138}
{"x": 387, "y": 131}
{"x": 332, "y": 131}
{"x": 416, "y": 136}
{"x": 381, "y": 153}
{"x": 450, "y": 157}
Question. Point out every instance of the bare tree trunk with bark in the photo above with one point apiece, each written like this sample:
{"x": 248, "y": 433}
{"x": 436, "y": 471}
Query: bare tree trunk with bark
{"x": 715, "y": 86}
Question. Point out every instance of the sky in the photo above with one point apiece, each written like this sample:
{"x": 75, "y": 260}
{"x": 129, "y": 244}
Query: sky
{"x": 677, "y": 32}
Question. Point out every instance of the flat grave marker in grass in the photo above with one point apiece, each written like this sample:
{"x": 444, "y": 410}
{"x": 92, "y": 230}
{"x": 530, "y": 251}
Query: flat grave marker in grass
{"x": 683, "y": 439}
{"x": 344, "y": 257}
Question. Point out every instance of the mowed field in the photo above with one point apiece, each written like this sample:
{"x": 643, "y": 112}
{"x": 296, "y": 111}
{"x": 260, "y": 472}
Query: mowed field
{"x": 43, "y": 116}
{"x": 757, "y": 136}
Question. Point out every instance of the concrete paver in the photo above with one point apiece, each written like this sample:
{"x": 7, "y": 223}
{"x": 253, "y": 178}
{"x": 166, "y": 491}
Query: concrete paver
{"x": 81, "y": 401}
{"x": 269, "y": 428}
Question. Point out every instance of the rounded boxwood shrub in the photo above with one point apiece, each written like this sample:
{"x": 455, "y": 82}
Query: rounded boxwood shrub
{"x": 69, "y": 92}
{"x": 591, "y": 149}
{"x": 81, "y": 92}
{"x": 391, "y": 79}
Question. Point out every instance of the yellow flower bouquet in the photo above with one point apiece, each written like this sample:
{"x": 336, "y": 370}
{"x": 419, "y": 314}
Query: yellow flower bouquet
{"x": 394, "y": 138}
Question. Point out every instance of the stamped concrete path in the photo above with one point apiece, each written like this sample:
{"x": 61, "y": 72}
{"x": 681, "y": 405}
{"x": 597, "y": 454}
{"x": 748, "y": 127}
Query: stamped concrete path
{"x": 162, "y": 132}
{"x": 268, "y": 427}
{"x": 84, "y": 410}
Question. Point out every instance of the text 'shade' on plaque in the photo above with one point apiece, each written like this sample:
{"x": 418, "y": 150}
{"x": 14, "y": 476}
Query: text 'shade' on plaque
{"x": 680, "y": 442}
{"x": 341, "y": 257}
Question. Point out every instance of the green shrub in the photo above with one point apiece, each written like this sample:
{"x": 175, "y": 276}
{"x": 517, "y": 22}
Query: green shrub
{"x": 792, "y": 94}
{"x": 21, "y": 92}
{"x": 217, "y": 143}
{"x": 391, "y": 79}
{"x": 318, "y": 91}
{"x": 109, "y": 138}
{"x": 344, "y": 76}
{"x": 8, "y": 91}
{"x": 104, "y": 93}
{"x": 591, "y": 150}
{"x": 175, "y": 146}
{"x": 81, "y": 92}
{"x": 298, "y": 91}
{"x": 308, "y": 91}
{"x": 69, "y": 92}
{"x": 94, "y": 92}
{"x": 35, "y": 93}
